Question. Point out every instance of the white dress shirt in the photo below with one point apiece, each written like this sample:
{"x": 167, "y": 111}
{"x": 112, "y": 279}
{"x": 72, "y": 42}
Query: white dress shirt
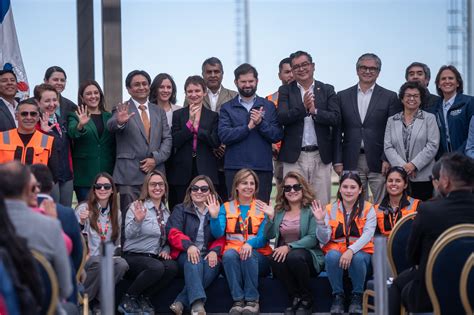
{"x": 309, "y": 134}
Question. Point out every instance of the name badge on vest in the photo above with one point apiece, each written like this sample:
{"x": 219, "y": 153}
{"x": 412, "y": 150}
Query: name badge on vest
{"x": 455, "y": 112}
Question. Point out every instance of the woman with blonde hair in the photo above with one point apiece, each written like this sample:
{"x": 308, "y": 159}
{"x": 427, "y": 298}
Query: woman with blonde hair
{"x": 145, "y": 248}
{"x": 246, "y": 251}
{"x": 297, "y": 255}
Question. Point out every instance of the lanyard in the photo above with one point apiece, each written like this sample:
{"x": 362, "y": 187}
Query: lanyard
{"x": 103, "y": 231}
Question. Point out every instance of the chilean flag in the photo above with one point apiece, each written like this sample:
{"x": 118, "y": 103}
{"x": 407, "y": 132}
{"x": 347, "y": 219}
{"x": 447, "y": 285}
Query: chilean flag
{"x": 10, "y": 56}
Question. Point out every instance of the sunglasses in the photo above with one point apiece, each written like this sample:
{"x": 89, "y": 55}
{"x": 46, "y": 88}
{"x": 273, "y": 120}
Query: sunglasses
{"x": 31, "y": 114}
{"x": 100, "y": 186}
{"x": 295, "y": 187}
{"x": 195, "y": 188}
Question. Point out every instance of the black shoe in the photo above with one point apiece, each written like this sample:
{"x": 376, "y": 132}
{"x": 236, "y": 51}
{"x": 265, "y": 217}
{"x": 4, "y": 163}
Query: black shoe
{"x": 305, "y": 307}
{"x": 146, "y": 306}
{"x": 129, "y": 305}
{"x": 290, "y": 310}
{"x": 356, "y": 304}
{"x": 337, "y": 306}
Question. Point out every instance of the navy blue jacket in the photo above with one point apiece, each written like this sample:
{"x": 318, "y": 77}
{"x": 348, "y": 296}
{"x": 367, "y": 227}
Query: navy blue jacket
{"x": 247, "y": 148}
{"x": 459, "y": 116}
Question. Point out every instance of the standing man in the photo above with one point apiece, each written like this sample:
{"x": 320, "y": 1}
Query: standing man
{"x": 420, "y": 72}
{"x": 248, "y": 126}
{"x": 217, "y": 94}
{"x": 286, "y": 76}
{"x": 308, "y": 109}
{"x": 143, "y": 138}
{"x": 8, "y": 103}
{"x": 455, "y": 206}
{"x": 365, "y": 108}
{"x": 25, "y": 143}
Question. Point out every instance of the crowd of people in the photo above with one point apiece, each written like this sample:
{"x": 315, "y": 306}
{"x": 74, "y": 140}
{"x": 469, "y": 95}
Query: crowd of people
{"x": 187, "y": 190}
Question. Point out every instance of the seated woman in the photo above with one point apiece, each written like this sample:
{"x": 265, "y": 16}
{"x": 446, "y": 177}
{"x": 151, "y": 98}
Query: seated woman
{"x": 246, "y": 251}
{"x": 145, "y": 249}
{"x": 101, "y": 220}
{"x": 297, "y": 255}
{"x": 193, "y": 245}
{"x": 346, "y": 230}
{"x": 396, "y": 203}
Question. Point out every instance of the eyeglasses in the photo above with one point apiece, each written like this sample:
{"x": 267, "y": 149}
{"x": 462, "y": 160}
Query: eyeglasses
{"x": 295, "y": 187}
{"x": 31, "y": 114}
{"x": 412, "y": 96}
{"x": 301, "y": 66}
{"x": 155, "y": 184}
{"x": 100, "y": 186}
{"x": 195, "y": 188}
{"x": 369, "y": 69}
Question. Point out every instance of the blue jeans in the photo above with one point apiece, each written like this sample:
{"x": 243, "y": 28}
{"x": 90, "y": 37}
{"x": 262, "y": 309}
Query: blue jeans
{"x": 357, "y": 271}
{"x": 242, "y": 275}
{"x": 197, "y": 277}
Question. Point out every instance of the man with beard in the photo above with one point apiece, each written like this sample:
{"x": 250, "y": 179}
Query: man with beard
{"x": 248, "y": 126}
{"x": 454, "y": 206}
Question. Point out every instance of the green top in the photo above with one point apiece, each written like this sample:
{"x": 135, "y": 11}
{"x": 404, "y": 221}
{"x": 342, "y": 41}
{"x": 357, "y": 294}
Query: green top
{"x": 307, "y": 239}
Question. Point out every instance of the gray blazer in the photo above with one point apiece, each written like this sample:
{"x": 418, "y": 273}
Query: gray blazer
{"x": 43, "y": 234}
{"x": 132, "y": 145}
{"x": 424, "y": 143}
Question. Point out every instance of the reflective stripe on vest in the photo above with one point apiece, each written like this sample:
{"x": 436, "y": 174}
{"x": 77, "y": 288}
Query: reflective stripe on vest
{"x": 6, "y": 137}
{"x": 44, "y": 141}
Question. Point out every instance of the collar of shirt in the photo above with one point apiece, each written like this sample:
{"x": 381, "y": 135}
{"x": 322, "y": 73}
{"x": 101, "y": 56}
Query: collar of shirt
{"x": 198, "y": 212}
{"x": 209, "y": 92}
{"x": 302, "y": 90}
{"x": 369, "y": 90}
{"x": 147, "y": 104}
{"x": 247, "y": 105}
{"x": 447, "y": 105}
{"x": 15, "y": 103}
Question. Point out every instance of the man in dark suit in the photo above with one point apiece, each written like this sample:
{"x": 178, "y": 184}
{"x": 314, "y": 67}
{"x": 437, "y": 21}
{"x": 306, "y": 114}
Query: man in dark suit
{"x": 365, "y": 108}
{"x": 142, "y": 136}
{"x": 455, "y": 185}
{"x": 308, "y": 109}
{"x": 418, "y": 71}
{"x": 8, "y": 103}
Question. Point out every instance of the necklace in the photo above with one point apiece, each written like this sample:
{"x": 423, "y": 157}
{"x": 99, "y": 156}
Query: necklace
{"x": 103, "y": 231}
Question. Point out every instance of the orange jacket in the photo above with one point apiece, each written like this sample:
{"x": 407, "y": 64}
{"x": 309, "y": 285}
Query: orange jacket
{"x": 38, "y": 150}
{"x": 236, "y": 237}
{"x": 386, "y": 221}
{"x": 340, "y": 241}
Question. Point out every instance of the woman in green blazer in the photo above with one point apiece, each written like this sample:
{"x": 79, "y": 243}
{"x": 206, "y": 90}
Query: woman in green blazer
{"x": 297, "y": 255}
{"x": 93, "y": 147}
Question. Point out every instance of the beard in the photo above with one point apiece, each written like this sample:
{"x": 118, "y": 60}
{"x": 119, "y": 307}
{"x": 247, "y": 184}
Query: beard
{"x": 247, "y": 92}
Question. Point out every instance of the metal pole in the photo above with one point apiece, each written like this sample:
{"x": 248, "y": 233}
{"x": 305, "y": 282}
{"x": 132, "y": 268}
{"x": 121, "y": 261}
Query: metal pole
{"x": 247, "y": 31}
{"x": 107, "y": 285}
{"x": 85, "y": 39}
{"x": 380, "y": 275}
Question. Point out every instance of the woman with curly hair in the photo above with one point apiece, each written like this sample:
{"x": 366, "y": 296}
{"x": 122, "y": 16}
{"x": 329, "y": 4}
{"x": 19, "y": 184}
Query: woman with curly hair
{"x": 297, "y": 255}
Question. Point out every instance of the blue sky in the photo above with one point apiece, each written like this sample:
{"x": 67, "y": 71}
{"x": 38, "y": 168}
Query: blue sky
{"x": 176, "y": 36}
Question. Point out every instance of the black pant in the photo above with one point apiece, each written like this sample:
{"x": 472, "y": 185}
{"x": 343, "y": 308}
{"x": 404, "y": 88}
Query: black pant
{"x": 295, "y": 273}
{"x": 177, "y": 192}
{"x": 150, "y": 274}
{"x": 264, "y": 188}
{"x": 403, "y": 291}
{"x": 421, "y": 190}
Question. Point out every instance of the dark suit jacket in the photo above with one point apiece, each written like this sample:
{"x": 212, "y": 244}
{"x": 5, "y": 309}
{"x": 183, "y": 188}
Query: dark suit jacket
{"x": 7, "y": 121}
{"x": 66, "y": 106}
{"x": 383, "y": 104}
{"x": 433, "y": 218}
{"x": 91, "y": 154}
{"x": 291, "y": 114}
{"x": 132, "y": 145}
{"x": 181, "y": 161}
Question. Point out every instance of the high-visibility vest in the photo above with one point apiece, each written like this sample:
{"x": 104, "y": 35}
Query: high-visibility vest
{"x": 339, "y": 240}
{"x": 386, "y": 222}
{"x": 37, "y": 151}
{"x": 236, "y": 237}
{"x": 273, "y": 98}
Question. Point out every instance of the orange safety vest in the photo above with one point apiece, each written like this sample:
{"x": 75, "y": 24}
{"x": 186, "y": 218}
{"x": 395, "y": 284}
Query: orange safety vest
{"x": 238, "y": 231}
{"x": 339, "y": 240}
{"x": 386, "y": 221}
{"x": 38, "y": 150}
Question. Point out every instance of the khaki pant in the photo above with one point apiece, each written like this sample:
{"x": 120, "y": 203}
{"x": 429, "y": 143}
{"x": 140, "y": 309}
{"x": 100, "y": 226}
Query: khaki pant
{"x": 376, "y": 181}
